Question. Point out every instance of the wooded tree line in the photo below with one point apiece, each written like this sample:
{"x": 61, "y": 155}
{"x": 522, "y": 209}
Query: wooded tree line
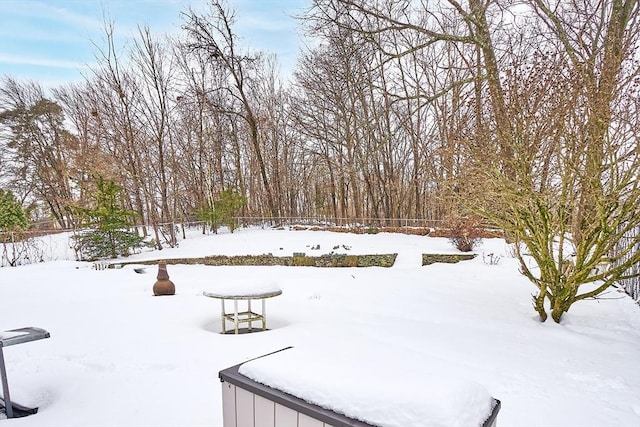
{"x": 386, "y": 116}
{"x": 525, "y": 113}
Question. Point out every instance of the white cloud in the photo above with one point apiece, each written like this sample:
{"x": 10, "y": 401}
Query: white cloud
{"x": 49, "y": 39}
{"x": 263, "y": 23}
{"x": 40, "y": 62}
{"x": 37, "y": 10}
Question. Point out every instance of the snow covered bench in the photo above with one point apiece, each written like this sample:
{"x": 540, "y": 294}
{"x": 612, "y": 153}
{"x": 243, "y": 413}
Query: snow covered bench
{"x": 246, "y": 291}
{"x": 293, "y": 388}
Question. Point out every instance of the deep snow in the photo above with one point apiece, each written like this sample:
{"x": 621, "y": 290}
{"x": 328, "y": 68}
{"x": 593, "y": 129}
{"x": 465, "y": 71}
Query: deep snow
{"x": 118, "y": 356}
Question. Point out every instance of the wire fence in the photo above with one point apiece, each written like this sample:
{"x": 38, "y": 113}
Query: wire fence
{"x": 631, "y": 284}
{"x": 329, "y": 221}
{"x": 43, "y": 243}
{"x": 49, "y": 227}
{"x": 21, "y": 248}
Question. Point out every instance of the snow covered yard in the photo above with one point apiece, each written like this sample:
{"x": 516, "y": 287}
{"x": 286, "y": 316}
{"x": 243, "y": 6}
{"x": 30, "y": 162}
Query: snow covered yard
{"x": 118, "y": 356}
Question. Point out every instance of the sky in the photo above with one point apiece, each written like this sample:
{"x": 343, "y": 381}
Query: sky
{"x": 53, "y": 41}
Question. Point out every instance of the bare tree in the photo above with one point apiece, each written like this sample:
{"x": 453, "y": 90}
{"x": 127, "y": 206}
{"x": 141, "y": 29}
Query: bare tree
{"x": 213, "y": 35}
{"x": 153, "y": 64}
{"x": 549, "y": 165}
{"x": 36, "y": 147}
{"x": 115, "y": 95}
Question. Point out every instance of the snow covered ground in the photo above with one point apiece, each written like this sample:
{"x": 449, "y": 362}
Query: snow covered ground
{"x": 118, "y": 356}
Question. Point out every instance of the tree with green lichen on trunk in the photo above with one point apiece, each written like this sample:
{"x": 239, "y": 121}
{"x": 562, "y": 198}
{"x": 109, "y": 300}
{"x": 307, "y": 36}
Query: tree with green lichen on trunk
{"x": 542, "y": 223}
{"x": 568, "y": 214}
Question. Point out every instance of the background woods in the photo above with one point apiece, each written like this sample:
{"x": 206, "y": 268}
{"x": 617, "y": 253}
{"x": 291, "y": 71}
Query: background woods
{"x": 524, "y": 113}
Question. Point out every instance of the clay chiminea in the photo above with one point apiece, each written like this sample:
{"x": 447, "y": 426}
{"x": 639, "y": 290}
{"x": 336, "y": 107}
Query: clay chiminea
{"x": 163, "y": 285}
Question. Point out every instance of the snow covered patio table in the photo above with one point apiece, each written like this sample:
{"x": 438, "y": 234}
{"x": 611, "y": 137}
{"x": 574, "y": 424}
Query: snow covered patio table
{"x": 8, "y": 338}
{"x": 247, "y": 291}
{"x": 301, "y": 388}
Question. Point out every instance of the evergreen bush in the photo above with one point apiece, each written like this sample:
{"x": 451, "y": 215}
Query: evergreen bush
{"x": 223, "y": 211}
{"x": 12, "y": 216}
{"x": 110, "y": 235}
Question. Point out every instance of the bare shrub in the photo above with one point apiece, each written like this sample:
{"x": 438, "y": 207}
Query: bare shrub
{"x": 464, "y": 233}
{"x": 19, "y": 249}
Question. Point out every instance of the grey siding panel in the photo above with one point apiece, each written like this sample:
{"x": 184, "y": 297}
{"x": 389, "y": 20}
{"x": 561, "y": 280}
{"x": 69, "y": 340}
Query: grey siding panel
{"x": 286, "y": 417}
{"x": 229, "y": 405}
{"x": 244, "y": 408}
{"x": 307, "y": 421}
{"x": 265, "y": 411}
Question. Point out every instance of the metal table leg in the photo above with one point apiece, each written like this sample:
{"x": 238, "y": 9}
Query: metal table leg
{"x": 5, "y": 387}
{"x": 235, "y": 315}
{"x": 224, "y": 318}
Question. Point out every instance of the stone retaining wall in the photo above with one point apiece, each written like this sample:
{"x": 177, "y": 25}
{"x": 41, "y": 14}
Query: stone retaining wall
{"x": 447, "y": 258}
{"x": 300, "y": 259}
{"x": 329, "y": 260}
